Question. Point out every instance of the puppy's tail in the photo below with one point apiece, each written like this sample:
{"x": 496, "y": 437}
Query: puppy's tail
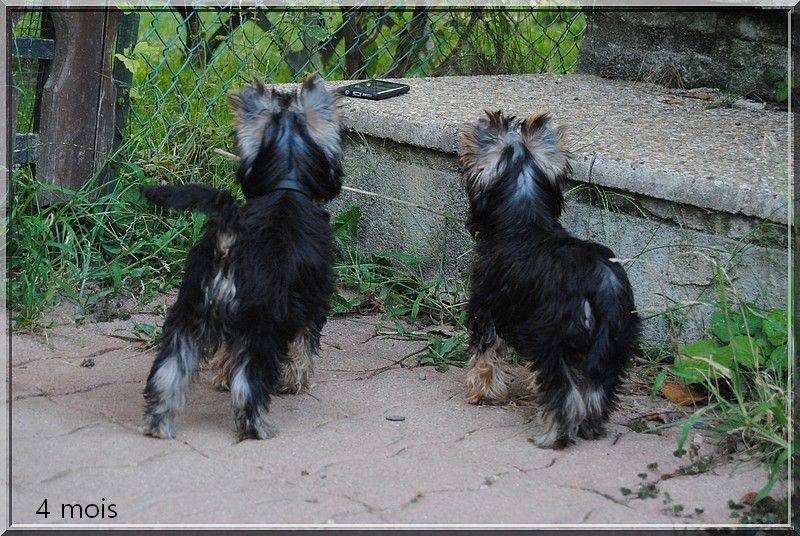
{"x": 608, "y": 315}
{"x": 213, "y": 202}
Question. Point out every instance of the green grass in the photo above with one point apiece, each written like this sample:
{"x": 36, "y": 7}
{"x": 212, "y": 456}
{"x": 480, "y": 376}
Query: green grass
{"x": 94, "y": 245}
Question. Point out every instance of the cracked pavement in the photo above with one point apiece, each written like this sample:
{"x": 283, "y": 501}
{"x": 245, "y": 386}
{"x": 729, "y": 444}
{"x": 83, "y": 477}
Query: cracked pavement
{"x": 336, "y": 459}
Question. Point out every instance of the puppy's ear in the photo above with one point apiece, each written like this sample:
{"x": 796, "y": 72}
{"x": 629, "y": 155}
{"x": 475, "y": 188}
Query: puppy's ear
{"x": 252, "y": 109}
{"x": 547, "y": 144}
{"x": 482, "y": 144}
{"x": 321, "y": 109}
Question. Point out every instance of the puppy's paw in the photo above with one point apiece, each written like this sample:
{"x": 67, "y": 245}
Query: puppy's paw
{"x": 295, "y": 379}
{"x": 256, "y": 428}
{"x": 159, "y": 426}
{"x": 221, "y": 382}
{"x": 550, "y": 432}
{"x": 548, "y": 441}
{"x": 487, "y": 383}
{"x": 591, "y": 430}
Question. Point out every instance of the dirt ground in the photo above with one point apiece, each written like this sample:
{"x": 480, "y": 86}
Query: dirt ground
{"x": 377, "y": 440}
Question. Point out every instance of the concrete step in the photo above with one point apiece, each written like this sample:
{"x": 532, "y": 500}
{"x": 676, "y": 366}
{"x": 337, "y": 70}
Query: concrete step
{"x": 642, "y": 138}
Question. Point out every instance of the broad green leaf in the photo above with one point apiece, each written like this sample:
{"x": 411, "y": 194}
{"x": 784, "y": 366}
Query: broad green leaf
{"x": 775, "y": 327}
{"x": 774, "y": 74}
{"x": 779, "y": 358}
{"x": 782, "y": 91}
{"x": 742, "y": 349}
{"x": 700, "y": 360}
{"x": 719, "y": 326}
{"x": 130, "y": 63}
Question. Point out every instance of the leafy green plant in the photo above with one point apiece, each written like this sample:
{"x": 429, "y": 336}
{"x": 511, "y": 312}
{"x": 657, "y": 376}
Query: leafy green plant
{"x": 753, "y": 337}
{"x": 443, "y": 349}
{"x": 743, "y": 368}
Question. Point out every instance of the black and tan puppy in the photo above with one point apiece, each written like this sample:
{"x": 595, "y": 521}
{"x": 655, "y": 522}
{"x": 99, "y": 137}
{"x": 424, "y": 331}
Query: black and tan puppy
{"x": 260, "y": 279}
{"x": 561, "y": 302}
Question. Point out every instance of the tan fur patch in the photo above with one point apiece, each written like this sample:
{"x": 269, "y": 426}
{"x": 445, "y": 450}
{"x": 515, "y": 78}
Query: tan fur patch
{"x": 321, "y": 111}
{"x": 252, "y": 108}
{"x": 299, "y": 366}
{"x": 487, "y": 376}
{"x": 482, "y": 146}
{"x": 222, "y": 362}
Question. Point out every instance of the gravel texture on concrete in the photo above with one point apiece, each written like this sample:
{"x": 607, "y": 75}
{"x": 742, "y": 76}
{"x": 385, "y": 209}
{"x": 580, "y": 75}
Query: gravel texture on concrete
{"x": 377, "y": 440}
{"x": 638, "y": 137}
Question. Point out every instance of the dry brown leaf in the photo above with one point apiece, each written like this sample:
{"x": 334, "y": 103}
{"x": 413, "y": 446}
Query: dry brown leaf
{"x": 748, "y": 497}
{"x": 699, "y": 95}
{"x": 680, "y": 394}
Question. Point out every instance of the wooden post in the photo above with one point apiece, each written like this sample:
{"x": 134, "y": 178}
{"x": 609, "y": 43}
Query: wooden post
{"x": 76, "y": 114}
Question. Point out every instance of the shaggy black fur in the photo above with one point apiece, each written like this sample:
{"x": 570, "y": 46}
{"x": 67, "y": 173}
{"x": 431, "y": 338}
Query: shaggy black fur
{"x": 260, "y": 279}
{"x": 561, "y": 302}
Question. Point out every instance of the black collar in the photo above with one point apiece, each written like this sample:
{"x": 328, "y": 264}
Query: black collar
{"x": 291, "y": 184}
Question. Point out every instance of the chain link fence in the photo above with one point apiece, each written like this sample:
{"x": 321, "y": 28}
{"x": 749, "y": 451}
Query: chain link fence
{"x": 181, "y": 62}
{"x": 28, "y": 73}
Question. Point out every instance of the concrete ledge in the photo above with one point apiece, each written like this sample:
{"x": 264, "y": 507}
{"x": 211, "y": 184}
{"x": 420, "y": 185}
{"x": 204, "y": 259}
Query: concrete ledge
{"x": 636, "y": 137}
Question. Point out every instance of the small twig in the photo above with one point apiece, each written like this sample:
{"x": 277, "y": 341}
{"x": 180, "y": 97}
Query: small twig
{"x": 399, "y": 202}
{"x": 225, "y": 154}
{"x": 231, "y": 156}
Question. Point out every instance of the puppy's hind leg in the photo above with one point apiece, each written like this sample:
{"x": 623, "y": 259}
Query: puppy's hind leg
{"x": 487, "y": 375}
{"x": 254, "y": 377}
{"x": 600, "y": 396}
{"x": 165, "y": 392}
{"x": 299, "y": 366}
{"x": 596, "y": 400}
{"x": 561, "y": 405}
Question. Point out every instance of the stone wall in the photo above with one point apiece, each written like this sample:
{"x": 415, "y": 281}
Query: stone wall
{"x": 728, "y": 50}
